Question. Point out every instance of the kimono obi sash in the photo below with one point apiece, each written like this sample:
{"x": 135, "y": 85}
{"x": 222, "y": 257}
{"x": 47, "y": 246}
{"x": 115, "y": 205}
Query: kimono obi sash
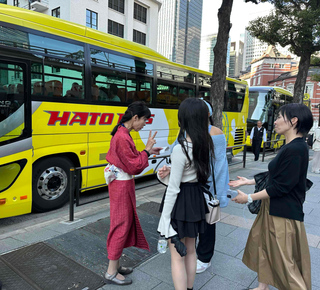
{"x": 111, "y": 172}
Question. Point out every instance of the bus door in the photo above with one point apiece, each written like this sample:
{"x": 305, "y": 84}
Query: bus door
{"x": 15, "y": 138}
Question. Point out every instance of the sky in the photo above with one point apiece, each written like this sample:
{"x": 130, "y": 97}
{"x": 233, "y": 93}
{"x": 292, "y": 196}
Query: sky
{"x": 241, "y": 14}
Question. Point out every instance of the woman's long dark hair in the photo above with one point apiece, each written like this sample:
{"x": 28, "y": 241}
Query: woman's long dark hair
{"x": 193, "y": 120}
{"x": 136, "y": 108}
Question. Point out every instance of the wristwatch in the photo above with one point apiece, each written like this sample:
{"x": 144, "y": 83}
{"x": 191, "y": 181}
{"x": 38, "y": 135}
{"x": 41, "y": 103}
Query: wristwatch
{"x": 249, "y": 198}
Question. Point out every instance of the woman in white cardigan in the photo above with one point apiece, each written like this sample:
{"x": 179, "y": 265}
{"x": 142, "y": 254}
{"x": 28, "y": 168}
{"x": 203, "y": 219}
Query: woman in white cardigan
{"x": 184, "y": 206}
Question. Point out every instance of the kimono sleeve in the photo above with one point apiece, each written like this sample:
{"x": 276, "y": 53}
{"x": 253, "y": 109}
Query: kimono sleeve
{"x": 134, "y": 160}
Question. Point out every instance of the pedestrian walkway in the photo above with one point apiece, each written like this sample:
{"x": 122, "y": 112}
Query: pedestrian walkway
{"x": 84, "y": 240}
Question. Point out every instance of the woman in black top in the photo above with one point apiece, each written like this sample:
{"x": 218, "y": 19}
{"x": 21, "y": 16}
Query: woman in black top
{"x": 277, "y": 247}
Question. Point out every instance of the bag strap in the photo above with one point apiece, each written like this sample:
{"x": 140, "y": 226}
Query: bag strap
{"x": 214, "y": 182}
{"x": 206, "y": 187}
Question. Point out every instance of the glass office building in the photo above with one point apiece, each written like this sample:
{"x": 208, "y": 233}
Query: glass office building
{"x": 179, "y": 31}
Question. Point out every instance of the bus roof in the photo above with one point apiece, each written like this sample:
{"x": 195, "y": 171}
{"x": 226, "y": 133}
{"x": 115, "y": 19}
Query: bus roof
{"x": 60, "y": 27}
{"x": 56, "y": 26}
{"x": 268, "y": 88}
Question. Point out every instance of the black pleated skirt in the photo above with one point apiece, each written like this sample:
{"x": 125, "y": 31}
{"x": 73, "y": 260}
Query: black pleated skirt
{"x": 188, "y": 216}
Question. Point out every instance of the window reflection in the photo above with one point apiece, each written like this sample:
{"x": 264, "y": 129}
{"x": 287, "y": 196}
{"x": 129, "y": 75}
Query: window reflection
{"x": 20, "y": 39}
{"x": 175, "y": 74}
{"x": 58, "y": 80}
{"x": 120, "y": 62}
{"x": 167, "y": 94}
{"x": 112, "y": 86}
{"x": 12, "y": 95}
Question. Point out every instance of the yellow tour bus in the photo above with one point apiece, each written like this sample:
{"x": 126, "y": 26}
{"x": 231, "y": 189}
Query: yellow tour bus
{"x": 264, "y": 101}
{"x": 63, "y": 87}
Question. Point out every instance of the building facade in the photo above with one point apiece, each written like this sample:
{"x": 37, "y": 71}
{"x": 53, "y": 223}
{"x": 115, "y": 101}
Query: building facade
{"x": 236, "y": 58}
{"x": 208, "y": 43}
{"x": 179, "y": 31}
{"x": 268, "y": 67}
{"x": 287, "y": 81}
{"x": 133, "y": 20}
{"x": 254, "y": 48}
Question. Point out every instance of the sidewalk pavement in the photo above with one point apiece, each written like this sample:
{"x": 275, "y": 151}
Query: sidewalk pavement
{"x": 227, "y": 270}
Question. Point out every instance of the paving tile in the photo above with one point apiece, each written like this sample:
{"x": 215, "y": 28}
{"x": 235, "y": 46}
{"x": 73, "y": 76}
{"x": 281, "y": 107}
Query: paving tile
{"x": 240, "y": 255}
{"x": 240, "y": 234}
{"x": 238, "y": 221}
{"x": 232, "y": 268}
{"x": 312, "y": 219}
{"x": 307, "y": 209}
{"x": 243, "y": 213}
{"x": 229, "y": 246}
{"x": 221, "y": 283}
{"x": 312, "y": 229}
{"x": 224, "y": 229}
{"x": 31, "y": 237}
{"x": 256, "y": 283}
{"x": 315, "y": 279}
{"x": 313, "y": 240}
{"x": 315, "y": 256}
{"x": 10, "y": 244}
{"x": 163, "y": 286}
{"x": 161, "y": 261}
{"x": 312, "y": 197}
{"x": 202, "y": 278}
{"x": 236, "y": 205}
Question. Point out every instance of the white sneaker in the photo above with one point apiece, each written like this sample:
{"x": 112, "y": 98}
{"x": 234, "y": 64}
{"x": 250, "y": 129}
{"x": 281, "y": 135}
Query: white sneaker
{"x": 201, "y": 267}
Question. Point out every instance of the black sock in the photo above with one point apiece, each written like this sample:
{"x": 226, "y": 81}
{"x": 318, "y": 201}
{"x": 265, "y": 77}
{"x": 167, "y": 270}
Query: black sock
{"x": 190, "y": 288}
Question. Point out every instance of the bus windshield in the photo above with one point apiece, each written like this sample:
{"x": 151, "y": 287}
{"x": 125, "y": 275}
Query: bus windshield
{"x": 11, "y": 102}
{"x": 258, "y": 105}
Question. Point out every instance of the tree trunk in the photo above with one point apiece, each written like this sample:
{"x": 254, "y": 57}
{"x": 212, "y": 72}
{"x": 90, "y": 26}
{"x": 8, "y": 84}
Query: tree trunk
{"x": 219, "y": 66}
{"x": 301, "y": 78}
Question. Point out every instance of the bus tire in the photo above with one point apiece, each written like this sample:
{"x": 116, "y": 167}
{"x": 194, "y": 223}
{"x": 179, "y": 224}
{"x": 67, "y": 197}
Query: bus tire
{"x": 50, "y": 183}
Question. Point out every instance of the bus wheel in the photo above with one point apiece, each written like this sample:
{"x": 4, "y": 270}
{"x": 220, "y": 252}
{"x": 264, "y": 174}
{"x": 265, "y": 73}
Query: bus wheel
{"x": 50, "y": 184}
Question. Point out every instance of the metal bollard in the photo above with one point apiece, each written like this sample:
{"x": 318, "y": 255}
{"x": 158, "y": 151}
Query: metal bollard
{"x": 71, "y": 202}
{"x": 264, "y": 150}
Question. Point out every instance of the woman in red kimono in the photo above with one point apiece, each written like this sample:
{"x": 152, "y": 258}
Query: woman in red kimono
{"x": 124, "y": 162}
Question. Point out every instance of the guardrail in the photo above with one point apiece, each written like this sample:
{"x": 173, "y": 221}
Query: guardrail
{"x": 75, "y": 189}
{"x": 273, "y": 150}
{"x": 244, "y": 154}
{"x": 74, "y": 180}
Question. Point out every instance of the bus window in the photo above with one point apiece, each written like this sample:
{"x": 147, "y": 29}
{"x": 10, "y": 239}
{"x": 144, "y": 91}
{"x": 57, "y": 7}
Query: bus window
{"x": 11, "y": 102}
{"x": 111, "y": 60}
{"x": 205, "y": 82}
{"x": 111, "y": 85}
{"x": 28, "y": 41}
{"x": 142, "y": 88}
{"x": 233, "y": 102}
{"x": 175, "y": 74}
{"x": 184, "y": 93}
{"x": 76, "y": 90}
{"x": 57, "y": 80}
{"x": 63, "y": 79}
{"x": 166, "y": 94}
{"x": 204, "y": 93}
{"x": 258, "y": 104}
{"x": 38, "y": 88}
